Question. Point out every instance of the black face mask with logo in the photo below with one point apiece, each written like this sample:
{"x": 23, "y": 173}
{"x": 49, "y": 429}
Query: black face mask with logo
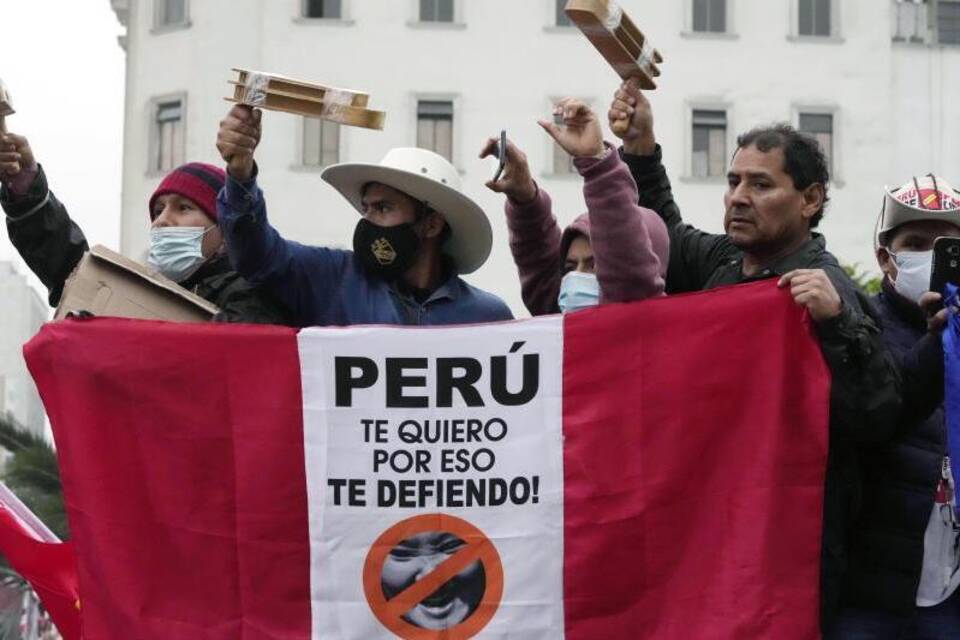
{"x": 386, "y": 252}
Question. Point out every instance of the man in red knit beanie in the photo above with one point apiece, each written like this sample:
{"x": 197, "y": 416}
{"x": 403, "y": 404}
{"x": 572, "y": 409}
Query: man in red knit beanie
{"x": 185, "y": 242}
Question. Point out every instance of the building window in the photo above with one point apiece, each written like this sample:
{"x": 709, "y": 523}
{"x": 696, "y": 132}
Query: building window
{"x": 170, "y": 13}
{"x": 709, "y": 143}
{"x": 435, "y": 127}
{"x": 948, "y": 22}
{"x": 562, "y": 161}
{"x": 321, "y": 143}
{"x": 710, "y": 16}
{"x": 436, "y": 10}
{"x": 820, "y": 126}
{"x": 167, "y": 135}
{"x": 910, "y": 21}
{"x": 813, "y": 18}
{"x": 322, "y": 9}
{"x": 562, "y": 20}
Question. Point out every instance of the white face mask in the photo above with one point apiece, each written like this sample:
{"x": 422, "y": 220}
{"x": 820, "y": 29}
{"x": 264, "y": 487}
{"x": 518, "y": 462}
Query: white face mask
{"x": 578, "y": 291}
{"x": 177, "y": 252}
{"x": 913, "y": 273}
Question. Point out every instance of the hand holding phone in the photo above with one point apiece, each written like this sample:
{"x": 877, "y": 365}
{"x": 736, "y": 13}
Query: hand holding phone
{"x": 500, "y": 151}
{"x": 946, "y": 263}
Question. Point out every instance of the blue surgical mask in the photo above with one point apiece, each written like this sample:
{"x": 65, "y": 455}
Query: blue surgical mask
{"x": 177, "y": 252}
{"x": 913, "y": 273}
{"x": 578, "y": 291}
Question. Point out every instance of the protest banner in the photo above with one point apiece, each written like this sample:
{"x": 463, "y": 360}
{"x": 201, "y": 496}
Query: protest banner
{"x": 587, "y": 476}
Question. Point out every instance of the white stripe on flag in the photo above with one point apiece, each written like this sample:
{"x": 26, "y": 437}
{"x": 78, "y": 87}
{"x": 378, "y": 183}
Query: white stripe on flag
{"x": 373, "y": 461}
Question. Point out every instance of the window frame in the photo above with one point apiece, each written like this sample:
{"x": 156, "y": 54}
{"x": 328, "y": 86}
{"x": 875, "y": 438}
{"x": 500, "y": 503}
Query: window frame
{"x": 935, "y": 26}
{"x": 556, "y": 10}
{"x": 706, "y": 104}
{"x": 708, "y": 177}
{"x": 456, "y": 23}
{"x": 693, "y": 21}
{"x": 819, "y": 109}
{"x": 729, "y": 34}
{"x": 301, "y": 161}
{"x": 345, "y": 18}
{"x": 921, "y": 32}
{"x": 836, "y": 25}
{"x": 154, "y": 143}
{"x": 164, "y": 27}
{"x": 456, "y": 127}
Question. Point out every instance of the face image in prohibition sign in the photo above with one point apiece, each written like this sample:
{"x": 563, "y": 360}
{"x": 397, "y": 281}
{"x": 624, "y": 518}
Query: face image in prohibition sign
{"x": 433, "y": 577}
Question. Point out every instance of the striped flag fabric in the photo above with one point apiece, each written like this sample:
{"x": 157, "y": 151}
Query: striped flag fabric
{"x": 652, "y": 470}
{"x": 43, "y": 560}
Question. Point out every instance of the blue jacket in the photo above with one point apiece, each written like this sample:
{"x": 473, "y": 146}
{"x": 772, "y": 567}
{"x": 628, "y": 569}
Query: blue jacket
{"x": 900, "y": 476}
{"x": 324, "y": 286}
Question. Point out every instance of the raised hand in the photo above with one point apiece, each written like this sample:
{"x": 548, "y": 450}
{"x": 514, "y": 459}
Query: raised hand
{"x": 15, "y": 155}
{"x": 515, "y": 181}
{"x": 580, "y": 135}
{"x": 238, "y": 138}
{"x": 631, "y": 119}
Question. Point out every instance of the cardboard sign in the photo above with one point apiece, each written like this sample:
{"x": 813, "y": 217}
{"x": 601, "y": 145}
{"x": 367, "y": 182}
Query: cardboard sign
{"x": 617, "y": 39}
{"x": 106, "y": 283}
{"x": 279, "y": 93}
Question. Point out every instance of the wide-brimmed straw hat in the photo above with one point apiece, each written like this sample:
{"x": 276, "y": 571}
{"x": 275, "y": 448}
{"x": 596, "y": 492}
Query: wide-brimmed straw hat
{"x": 431, "y": 179}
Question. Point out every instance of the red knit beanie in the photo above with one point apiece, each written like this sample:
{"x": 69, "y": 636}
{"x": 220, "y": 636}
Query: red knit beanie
{"x": 195, "y": 180}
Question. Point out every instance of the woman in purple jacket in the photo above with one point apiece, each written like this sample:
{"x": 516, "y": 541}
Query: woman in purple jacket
{"x": 616, "y": 252}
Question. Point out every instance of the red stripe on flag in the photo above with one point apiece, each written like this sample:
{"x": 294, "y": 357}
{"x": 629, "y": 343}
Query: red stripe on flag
{"x": 171, "y": 541}
{"x": 694, "y": 456}
{"x": 49, "y": 567}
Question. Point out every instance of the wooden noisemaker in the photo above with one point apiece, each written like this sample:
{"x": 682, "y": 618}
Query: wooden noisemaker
{"x": 617, "y": 38}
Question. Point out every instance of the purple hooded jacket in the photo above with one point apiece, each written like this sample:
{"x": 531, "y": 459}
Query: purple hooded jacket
{"x": 630, "y": 244}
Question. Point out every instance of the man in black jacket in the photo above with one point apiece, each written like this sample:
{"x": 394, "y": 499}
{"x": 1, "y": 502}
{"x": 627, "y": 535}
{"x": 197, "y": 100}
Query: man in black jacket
{"x": 777, "y": 191}
{"x": 186, "y": 244}
{"x": 905, "y": 553}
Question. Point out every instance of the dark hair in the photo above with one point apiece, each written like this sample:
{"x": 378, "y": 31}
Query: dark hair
{"x": 424, "y": 210}
{"x": 803, "y": 159}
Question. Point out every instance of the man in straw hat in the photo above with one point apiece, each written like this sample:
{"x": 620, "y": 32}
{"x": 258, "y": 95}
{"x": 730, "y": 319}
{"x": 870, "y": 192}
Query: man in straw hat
{"x": 905, "y": 552}
{"x": 416, "y": 234}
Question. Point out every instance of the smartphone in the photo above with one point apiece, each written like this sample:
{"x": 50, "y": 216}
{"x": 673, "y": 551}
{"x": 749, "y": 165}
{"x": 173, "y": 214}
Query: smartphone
{"x": 500, "y": 150}
{"x": 946, "y": 263}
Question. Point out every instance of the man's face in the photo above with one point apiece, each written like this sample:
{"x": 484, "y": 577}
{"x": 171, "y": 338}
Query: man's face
{"x": 172, "y": 210}
{"x": 386, "y": 207}
{"x": 765, "y": 212}
{"x": 912, "y": 237}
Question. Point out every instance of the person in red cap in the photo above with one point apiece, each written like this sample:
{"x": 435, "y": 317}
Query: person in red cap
{"x": 186, "y": 244}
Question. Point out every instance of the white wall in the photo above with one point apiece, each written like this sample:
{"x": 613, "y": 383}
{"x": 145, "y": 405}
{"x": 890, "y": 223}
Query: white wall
{"x": 503, "y": 62}
{"x": 21, "y": 314}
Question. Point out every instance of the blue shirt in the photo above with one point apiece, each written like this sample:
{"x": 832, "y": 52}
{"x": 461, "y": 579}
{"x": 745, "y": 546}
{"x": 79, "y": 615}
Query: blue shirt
{"x": 323, "y": 286}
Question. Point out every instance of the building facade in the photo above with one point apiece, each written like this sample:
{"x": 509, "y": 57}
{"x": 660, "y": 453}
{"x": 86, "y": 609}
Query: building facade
{"x": 22, "y": 312}
{"x": 874, "y": 80}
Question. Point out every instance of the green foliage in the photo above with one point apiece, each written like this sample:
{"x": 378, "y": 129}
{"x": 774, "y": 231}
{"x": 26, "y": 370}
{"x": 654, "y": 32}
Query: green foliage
{"x": 868, "y": 282}
{"x": 33, "y": 475}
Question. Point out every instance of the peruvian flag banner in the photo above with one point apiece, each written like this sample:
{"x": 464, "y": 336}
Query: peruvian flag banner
{"x": 652, "y": 470}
